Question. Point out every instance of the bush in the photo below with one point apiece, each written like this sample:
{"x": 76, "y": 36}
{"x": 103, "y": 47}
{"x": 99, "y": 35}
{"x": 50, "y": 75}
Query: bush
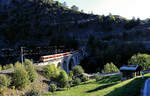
{"x": 17, "y": 64}
{"x": 20, "y": 77}
{"x": 70, "y": 81}
{"x": 141, "y": 59}
{"x": 77, "y": 71}
{"x": 51, "y": 71}
{"x": 84, "y": 78}
{"x": 9, "y": 66}
{"x": 4, "y": 81}
{"x": 97, "y": 78}
{"x": 4, "y": 68}
{"x": 77, "y": 81}
{"x": 32, "y": 93}
{"x": 110, "y": 68}
{"x": 71, "y": 73}
{"x": 30, "y": 69}
{"x": 63, "y": 79}
{"x": 52, "y": 87}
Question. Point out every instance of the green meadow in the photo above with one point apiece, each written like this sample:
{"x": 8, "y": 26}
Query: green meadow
{"x": 106, "y": 86}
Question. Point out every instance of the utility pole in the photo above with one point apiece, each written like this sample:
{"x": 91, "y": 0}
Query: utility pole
{"x": 22, "y": 55}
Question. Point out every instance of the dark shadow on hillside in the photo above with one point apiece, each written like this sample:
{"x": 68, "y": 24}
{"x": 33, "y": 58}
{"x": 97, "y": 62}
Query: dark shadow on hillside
{"x": 101, "y": 87}
{"x": 85, "y": 83}
{"x": 105, "y": 79}
{"x": 109, "y": 79}
{"x": 133, "y": 88}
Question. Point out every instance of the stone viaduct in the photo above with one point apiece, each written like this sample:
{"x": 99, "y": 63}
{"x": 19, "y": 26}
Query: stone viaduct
{"x": 64, "y": 60}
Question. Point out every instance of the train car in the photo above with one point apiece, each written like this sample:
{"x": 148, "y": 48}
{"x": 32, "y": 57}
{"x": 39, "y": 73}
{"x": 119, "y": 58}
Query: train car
{"x": 55, "y": 56}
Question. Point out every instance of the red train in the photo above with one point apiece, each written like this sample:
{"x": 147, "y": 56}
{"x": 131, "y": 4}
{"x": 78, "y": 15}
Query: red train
{"x": 56, "y": 56}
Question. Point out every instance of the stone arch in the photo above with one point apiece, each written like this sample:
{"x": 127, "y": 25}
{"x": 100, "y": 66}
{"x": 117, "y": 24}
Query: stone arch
{"x": 59, "y": 65}
{"x": 71, "y": 63}
{"x": 77, "y": 59}
{"x": 65, "y": 66}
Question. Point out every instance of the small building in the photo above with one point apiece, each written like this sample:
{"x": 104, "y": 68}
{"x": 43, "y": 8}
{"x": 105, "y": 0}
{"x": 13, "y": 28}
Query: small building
{"x": 130, "y": 71}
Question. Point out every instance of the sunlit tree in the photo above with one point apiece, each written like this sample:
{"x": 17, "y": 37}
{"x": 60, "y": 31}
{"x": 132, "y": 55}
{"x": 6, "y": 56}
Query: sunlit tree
{"x": 74, "y": 8}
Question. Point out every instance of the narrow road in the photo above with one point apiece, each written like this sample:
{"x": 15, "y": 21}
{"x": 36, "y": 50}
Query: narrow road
{"x": 109, "y": 74}
{"x": 146, "y": 91}
{"x": 8, "y": 71}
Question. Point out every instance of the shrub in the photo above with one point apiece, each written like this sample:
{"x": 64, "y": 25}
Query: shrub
{"x": 51, "y": 71}
{"x": 84, "y": 78}
{"x": 71, "y": 77}
{"x": 52, "y": 87}
{"x": 63, "y": 79}
{"x": 70, "y": 81}
{"x": 110, "y": 68}
{"x": 17, "y": 64}
{"x": 20, "y": 77}
{"x": 4, "y": 81}
{"x": 32, "y": 92}
{"x": 141, "y": 59}
{"x": 77, "y": 81}
{"x": 10, "y": 66}
{"x": 30, "y": 69}
{"x": 71, "y": 73}
{"x": 97, "y": 78}
{"x": 4, "y": 68}
{"x": 77, "y": 71}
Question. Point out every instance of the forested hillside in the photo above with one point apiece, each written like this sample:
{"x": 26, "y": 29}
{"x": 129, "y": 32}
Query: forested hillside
{"x": 35, "y": 21}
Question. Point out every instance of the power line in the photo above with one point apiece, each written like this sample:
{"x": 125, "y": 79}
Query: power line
{"x": 22, "y": 55}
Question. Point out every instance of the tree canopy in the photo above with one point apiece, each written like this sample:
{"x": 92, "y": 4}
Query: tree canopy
{"x": 142, "y": 60}
{"x": 74, "y": 8}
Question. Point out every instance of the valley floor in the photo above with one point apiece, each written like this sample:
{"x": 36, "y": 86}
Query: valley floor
{"x": 106, "y": 86}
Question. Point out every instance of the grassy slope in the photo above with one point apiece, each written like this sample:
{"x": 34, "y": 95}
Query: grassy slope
{"x": 108, "y": 86}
